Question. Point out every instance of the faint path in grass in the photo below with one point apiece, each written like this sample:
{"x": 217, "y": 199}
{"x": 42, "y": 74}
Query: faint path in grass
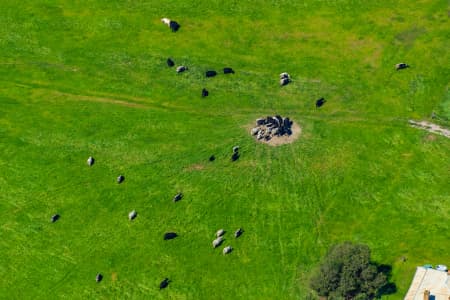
{"x": 58, "y": 92}
{"x": 101, "y": 100}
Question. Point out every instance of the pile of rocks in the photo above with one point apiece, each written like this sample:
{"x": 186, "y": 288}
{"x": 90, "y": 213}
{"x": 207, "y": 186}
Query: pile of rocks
{"x": 269, "y": 127}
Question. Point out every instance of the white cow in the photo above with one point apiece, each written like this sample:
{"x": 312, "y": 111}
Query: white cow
{"x": 132, "y": 215}
{"x": 181, "y": 69}
{"x": 284, "y": 81}
{"x": 216, "y": 243}
{"x": 284, "y": 75}
{"x": 227, "y": 250}
{"x": 166, "y": 21}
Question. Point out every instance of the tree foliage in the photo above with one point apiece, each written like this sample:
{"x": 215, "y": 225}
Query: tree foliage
{"x": 347, "y": 273}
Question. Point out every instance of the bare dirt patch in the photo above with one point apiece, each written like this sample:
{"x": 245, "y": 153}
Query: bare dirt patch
{"x": 430, "y": 137}
{"x": 195, "y": 167}
{"x": 286, "y": 139}
{"x": 430, "y": 127}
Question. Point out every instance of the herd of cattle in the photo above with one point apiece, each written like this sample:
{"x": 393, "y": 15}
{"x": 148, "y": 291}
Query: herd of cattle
{"x": 170, "y": 235}
{"x": 285, "y": 79}
{"x": 210, "y": 73}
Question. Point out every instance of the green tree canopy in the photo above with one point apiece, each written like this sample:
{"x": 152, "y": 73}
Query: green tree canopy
{"x": 346, "y": 272}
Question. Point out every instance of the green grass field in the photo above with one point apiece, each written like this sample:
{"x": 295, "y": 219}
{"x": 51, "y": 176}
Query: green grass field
{"x": 91, "y": 79}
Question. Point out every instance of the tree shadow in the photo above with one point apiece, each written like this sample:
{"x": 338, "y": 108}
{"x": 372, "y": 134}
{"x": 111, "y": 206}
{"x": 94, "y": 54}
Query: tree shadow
{"x": 385, "y": 269}
{"x": 389, "y": 288}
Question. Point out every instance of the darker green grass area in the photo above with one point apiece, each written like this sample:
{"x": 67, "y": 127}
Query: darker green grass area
{"x": 90, "y": 79}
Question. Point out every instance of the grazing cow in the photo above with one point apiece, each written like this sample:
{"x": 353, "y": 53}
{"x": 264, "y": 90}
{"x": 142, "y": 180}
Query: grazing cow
{"x": 55, "y": 218}
{"x": 212, "y": 158}
{"x": 120, "y": 179}
{"x": 284, "y": 75}
{"x": 238, "y": 233}
{"x": 166, "y": 21}
{"x": 210, "y": 73}
{"x": 220, "y": 232}
{"x": 228, "y": 71}
{"x": 287, "y": 123}
{"x": 276, "y": 122}
{"x": 279, "y": 119}
{"x": 320, "y": 102}
{"x": 181, "y": 69}
{"x": 170, "y": 62}
{"x": 278, "y": 131}
{"x": 260, "y": 134}
{"x": 132, "y": 215}
{"x": 99, "y": 277}
{"x": 174, "y": 26}
{"x": 260, "y": 121}
{"x": 216, "y": 243}
{"x": 164, "y": 283}
{"x": 170, "y": 236}
{"x": 90, "y": 161}
{"x": 205, "y": 93}
{"x": 284, "y": 81}
{"x": 401, "y": 66}
{"x": 177, "y": 197}
{"x": 227, "y": 250}
{"x": 235, "y": 156}
{"x": 235, "y": 149}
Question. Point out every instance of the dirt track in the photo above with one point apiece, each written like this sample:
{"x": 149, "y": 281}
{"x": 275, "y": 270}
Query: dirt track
{"x": 430, "y": 127}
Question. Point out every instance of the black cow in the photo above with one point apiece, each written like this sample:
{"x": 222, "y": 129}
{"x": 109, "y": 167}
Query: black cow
{"x": 170, "y": 62}
{"x": 279, "y": 119}
{"x": 228, "y": 71}
{"x": 235, "y": 156}
{"x": 287, "y": 123}
{"x": 205, "y": 93}
{"x": 177, "y": 197}
{"x": 55, "y": 218}
{"x": 174, "y": 26}
{"x": 212, "y": 158}
{"x": 170, "y": 236}
{"x": 120, "y": 179}
{"x": 164, "y": 283}
{"x": 320, "y": 102}
{"x": 238, "y": 233}
{"x": 210, "y": 73}
{"x": 99, "y": 277}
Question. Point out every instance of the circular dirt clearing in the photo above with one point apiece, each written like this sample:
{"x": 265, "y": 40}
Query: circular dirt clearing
{"x": 280, "y": 140}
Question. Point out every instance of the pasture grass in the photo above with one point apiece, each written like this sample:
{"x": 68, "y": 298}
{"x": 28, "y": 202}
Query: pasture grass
{"x": 82, "y": 79}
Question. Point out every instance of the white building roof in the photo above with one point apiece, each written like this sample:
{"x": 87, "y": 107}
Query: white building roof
{"x": 437, "y": 282}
